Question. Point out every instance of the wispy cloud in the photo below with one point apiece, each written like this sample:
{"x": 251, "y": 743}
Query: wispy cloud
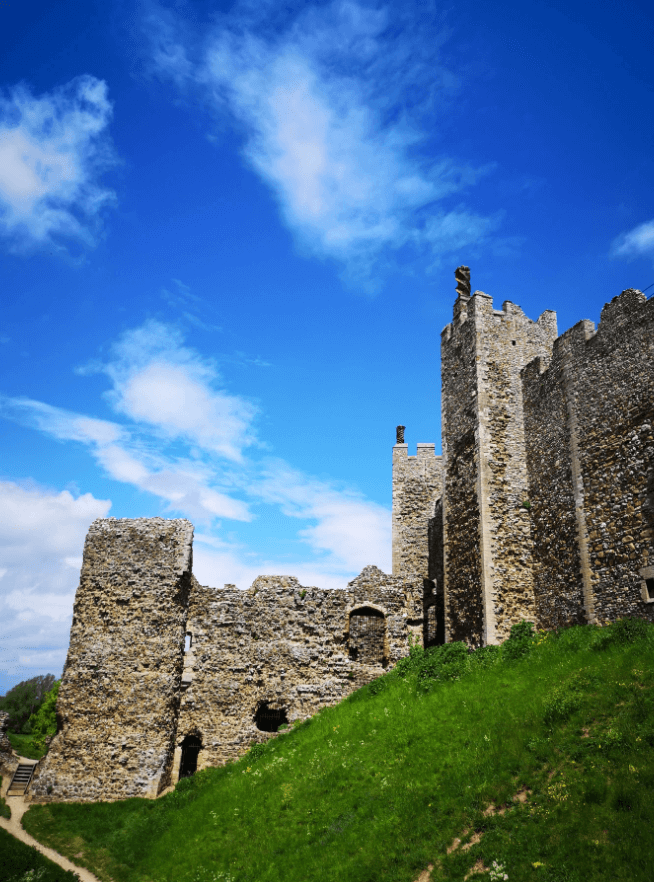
{"x": 53, "y": 149}
{"x": 182, "y": 437}
{"x": 335, "y": 111}
{"x": 41, "y": 537}
{"x": 638, "y": 242}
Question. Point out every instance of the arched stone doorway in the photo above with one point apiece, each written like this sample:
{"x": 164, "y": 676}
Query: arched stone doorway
{"x": 367, "y": 638}
{"x": 191, "y": 747}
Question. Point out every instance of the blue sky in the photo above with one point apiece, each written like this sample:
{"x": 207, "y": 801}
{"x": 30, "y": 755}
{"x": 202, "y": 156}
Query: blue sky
{"x": 228, "y": 235}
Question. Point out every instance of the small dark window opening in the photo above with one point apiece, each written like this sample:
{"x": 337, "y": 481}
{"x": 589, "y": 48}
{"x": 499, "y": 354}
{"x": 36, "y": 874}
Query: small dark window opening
{"x": 268, "y": 719}
{"x": 188, "y": 642}
{"x": 649, "y": 585}
{"x": 512, "y": 342}
{"x": 191, "y": 747}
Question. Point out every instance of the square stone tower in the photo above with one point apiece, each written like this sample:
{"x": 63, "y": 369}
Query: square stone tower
{"x": 488, "y": 582}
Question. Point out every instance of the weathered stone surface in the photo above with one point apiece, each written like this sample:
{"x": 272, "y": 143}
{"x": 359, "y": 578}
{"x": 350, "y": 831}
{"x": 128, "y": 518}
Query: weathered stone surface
{"x": 589, "y": 419}
{"x": 119, "y": 697}
{"x": 487, "y": 545}
{"x": 293, "y": 648}
{"x": 417, "y": 487}
{"x": 8, "y": 759}
{"x": 131, "y": 694}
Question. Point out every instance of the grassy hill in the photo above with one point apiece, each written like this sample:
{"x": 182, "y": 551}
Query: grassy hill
{"x": 533, "y": 761}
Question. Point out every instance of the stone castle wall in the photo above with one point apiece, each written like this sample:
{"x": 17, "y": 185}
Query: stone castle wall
{"x": 488, "y": 582}
{"x": 131, "y": 692}
{"x": 461, "y": 515}
{"x": 119, "y": 697}
{"x": 417, "y": 486}
{"x": 600, "y": 387}
{"x": 541, "y": 508}
{"x": 289, "y": 647}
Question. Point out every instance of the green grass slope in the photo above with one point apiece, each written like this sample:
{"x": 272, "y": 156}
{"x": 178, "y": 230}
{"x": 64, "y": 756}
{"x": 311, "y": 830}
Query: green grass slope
{"x": 23, "y": 863}
{"x": 537, "y": 756}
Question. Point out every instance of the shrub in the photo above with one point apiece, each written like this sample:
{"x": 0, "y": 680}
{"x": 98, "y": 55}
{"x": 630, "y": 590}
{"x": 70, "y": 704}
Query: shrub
{"x": 520, "y": 641}
{"x": 24, "y": 700}
{"x": 622, "y": 632}
{"x": 43, "y": 723}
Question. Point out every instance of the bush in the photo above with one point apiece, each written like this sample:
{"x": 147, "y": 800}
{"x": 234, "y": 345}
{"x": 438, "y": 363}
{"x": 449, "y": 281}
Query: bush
{"x": 43, "y": 723}
{"x": 520, "y": 641}
{"x": 24, "y": 700}
{"x": 622, "y": 632}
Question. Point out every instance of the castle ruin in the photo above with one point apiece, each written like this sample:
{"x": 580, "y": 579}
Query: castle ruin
{"x": 541, "y": 507}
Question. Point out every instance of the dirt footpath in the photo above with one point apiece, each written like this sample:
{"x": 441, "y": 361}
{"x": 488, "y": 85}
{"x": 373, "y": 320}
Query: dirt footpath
{"x": 18, "y": 808}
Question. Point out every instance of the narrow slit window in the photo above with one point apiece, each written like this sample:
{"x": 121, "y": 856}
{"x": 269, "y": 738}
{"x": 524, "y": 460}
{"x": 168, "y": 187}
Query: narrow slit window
{"x": 187, "y": 642}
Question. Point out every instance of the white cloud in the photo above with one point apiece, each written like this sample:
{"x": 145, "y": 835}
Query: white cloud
{"x": 638, "y": 242}
{"x": 160, "y": 382}
{"x": 331, "y": 121}
{"x": 353, "y": 530}
{"x": 41, "y": 536}
{"x": 53, "y": 149}
{"x": 200, "y": 471}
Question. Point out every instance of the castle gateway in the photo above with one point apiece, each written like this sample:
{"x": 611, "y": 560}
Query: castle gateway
{"x": 541, "y": 507}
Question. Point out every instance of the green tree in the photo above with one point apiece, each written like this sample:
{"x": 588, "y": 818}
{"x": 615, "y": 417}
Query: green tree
{"x": 24, "y": 700}
{"x": 44, "y": 722}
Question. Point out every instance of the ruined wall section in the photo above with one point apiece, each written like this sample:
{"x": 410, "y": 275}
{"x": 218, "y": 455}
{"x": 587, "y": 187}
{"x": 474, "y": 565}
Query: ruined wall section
{"x": 285, "y": 645}
{"x": 8, "y": 759}
{"x": 417, "y": 486}
{"x": 489, "y": 583}
{"x": 608, "y": 377}
{"x": 119, "y": 696}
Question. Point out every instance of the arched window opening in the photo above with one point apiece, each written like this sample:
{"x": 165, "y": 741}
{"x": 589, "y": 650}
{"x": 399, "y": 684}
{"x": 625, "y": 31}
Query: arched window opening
{"x": 191, "y": 747}
{"x": 269, "y": 719}
{"x": 367, "y": 635}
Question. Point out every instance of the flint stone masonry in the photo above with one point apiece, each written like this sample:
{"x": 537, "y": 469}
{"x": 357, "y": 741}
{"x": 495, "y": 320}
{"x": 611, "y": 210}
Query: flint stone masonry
{"x": 417, "y": 488}
{"x": 131, "y": 693}
{"x": 287, "y": 646}
{"x": 8, "y": 759}
{"x": 488, "y": 581}
{"x": 589, "y": 423}
{"x": 119, "y": 697}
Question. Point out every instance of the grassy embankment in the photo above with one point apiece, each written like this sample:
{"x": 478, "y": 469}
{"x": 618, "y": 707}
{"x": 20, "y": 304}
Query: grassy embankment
{"x": 24, "y": 746}
{"x": 382, "y": 785}
{"x": 23, "y": 863}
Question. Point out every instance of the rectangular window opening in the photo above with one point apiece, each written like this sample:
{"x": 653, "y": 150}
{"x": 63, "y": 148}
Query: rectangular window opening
{"x": 649, "y": 587}
{"x": 187, "y": 642}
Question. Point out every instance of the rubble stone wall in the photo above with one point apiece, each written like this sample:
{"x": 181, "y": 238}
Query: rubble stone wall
{"x": 417, "y": 486}
{"x": 119, "y": 697}
{"x": 607, "y": 378}
{"x": 556, "y": 556}
{"x": 288, "y": 646}
{"x": 462, "y": 583}
{"x": 8, "y": 759}
{"x": 489, "y": 584}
